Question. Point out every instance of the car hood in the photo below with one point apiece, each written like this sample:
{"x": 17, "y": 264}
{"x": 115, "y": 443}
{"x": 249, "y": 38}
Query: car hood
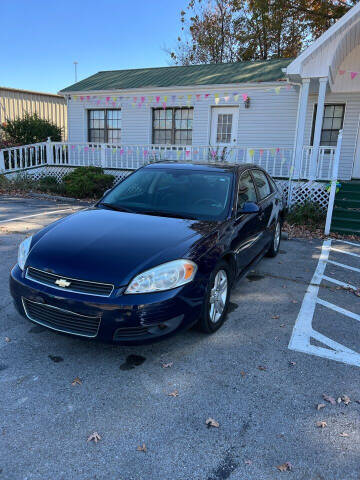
{"x": 110, "y": 246}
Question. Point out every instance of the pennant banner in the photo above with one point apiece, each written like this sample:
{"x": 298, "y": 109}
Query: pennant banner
{"x": 351, "y": 73}
{"x": 165, "y": 101}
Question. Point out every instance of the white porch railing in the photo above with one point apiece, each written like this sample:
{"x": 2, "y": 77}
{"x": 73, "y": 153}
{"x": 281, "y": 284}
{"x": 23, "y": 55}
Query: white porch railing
{"x": 277, "y": 161}
{"x": 325, "y": 163}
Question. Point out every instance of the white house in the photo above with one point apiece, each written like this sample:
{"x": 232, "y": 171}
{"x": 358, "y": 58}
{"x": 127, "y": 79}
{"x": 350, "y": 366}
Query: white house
{"x": 259, "y": 109}
{"x": 283, "y": 114}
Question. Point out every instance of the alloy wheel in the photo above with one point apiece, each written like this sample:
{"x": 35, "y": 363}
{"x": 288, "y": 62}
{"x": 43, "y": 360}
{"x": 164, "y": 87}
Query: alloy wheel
{"x": 218, "y": 296}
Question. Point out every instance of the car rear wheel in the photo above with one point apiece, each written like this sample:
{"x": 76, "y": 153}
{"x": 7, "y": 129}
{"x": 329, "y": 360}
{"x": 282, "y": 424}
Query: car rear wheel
{"x": 216, "y": 299}
{"x": 275, "y": 243}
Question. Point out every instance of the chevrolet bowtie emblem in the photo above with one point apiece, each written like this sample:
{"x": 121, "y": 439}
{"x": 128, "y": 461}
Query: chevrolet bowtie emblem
{"x": 62, "y": 283}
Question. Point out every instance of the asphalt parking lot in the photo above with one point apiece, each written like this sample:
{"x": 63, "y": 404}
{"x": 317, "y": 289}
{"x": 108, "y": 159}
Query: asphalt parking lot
{"x": 263, "y": 394}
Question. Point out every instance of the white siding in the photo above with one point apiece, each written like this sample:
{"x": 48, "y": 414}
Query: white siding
{"x": 269, "y": 122}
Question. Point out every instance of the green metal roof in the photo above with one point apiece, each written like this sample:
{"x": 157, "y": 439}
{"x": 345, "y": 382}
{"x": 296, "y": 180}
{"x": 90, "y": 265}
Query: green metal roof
{"x": 216, "y": 73}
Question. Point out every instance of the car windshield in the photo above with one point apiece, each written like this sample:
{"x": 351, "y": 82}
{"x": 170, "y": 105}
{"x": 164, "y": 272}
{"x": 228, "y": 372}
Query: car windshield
{"x": 173, "y": 192}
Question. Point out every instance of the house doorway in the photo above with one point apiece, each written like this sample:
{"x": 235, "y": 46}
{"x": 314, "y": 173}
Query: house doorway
{"x": 224, "y": 126}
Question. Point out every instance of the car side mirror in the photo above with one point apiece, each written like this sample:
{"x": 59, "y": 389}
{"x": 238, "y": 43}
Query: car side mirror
{"x": 250, "y": 207}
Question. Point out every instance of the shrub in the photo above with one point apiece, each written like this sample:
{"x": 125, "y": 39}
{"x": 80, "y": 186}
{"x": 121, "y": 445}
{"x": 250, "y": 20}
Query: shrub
{"x": 50, "y": 184}
{"x": 19, "y": 183}
{"x": 308, "y": 213}
{"x": 29, "y": 129}
{"x": 87, "y": 182}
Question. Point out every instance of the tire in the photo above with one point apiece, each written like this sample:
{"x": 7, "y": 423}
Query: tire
{"x": 275, "y": 242}
{"x": 216, "y": 303}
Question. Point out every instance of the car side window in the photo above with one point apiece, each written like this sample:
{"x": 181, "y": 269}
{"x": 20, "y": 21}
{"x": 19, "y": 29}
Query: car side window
{"x": 246, "y": 192}
{"x": 262, "y": 183}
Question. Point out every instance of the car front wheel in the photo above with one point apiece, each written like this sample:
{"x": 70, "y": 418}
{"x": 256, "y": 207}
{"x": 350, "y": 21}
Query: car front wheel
{"x": 216, "y": 299}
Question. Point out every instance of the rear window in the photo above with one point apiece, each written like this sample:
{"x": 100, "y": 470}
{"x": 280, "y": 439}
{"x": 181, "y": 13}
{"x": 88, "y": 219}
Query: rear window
{"x": 262, "y": 183}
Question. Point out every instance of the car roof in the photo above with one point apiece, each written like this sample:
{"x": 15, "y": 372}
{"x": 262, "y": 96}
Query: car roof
{"x": 206, "y": 167}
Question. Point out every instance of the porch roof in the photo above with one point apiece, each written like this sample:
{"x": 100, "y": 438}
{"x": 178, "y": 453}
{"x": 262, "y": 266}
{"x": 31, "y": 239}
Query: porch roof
{"x": 191, "y": 75}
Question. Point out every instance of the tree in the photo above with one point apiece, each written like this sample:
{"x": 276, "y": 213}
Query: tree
{"x": 29, "y": 129}
{"x": 232, "y": 30}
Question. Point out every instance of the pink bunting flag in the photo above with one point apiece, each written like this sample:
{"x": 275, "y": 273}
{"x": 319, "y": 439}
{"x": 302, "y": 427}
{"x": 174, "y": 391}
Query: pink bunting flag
{"x": 97, "y": 102}
{"x": 86, "y": 149}
{"x": 277, "y": 150}
{"x": 93, "y": 149}
{"x": 187, "y": 153}
{"x": 342, "y": 72}
{"x": 261, "y": 152}
{"x": 353, "y": 75}
{"x": 142, "y": 99}
{"x": 88, "y": 97}
{"x": 81, "y": 98}
{"x": 244, "y": 96}
{"x": 108, "y": 99}
{"x": 164, "y": 105}
{"x": 145, "y": 153}
{"x": 207, "y": 95}
{"x": 72, "y": 147}
{"x": 121, "y": 151}
{"x": 114, "y": 104}
{"x": 226, "y": 98}
{"x": 196, "y": 152}
{"x": 213, "y": 153}
{"x": 198, "y": 96}
{"x": 135, "y": 99}
{"x": 157, "y": 99}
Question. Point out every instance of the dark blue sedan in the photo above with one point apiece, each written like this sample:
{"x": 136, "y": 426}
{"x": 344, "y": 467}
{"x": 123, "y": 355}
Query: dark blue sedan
{"x": 157, "y": 254}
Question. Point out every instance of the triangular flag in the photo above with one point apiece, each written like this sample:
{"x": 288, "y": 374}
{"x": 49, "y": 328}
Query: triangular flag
{"x": 165, "y": 99}
{"x": 142, "y": 99}
{"x": 353, "y": 75}
{"x": 217, "y": 99}
{"x": 164, "y": 105}
{"x": 244, "y": 96}
{"x": 108, "y": 99}
{"x": 198, "y": 96}
{"x": 342, "y": 72}
{"x": 251, "y": 152}
{"x": 157, "y": 99}
{"x": 261, "y": 152}
{"x": 207, "y": 95}
{"x": 226, "y": 98}
{"x": 236, "y": 97}
{"x": 277, "y": 90}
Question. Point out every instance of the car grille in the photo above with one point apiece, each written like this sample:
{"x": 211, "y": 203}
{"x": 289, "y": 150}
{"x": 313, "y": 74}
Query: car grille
{"x": 78, "y": 286}
{"x": 130, "y": 332}
{"x": 61, "y": 320}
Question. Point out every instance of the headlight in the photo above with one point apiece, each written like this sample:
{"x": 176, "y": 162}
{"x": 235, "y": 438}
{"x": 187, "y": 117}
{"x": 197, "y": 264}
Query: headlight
{"x": 23, "y": 252}
{"x": 164, "y": 277}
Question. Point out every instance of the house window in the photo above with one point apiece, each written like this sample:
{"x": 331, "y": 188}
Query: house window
{"x": 104, "y": 126}
{"x": 172, "y": 126}
{"x": 332, "y": 122}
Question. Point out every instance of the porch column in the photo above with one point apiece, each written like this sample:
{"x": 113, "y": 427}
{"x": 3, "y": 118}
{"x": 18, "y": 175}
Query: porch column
{"x": 318, "y": 127}
{"x": 300, "y": 127}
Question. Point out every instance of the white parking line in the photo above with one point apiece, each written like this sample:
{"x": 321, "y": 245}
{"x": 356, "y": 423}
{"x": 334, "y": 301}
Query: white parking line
{"x": 338, "y": 282}
{"x": 38, "y": 214}
{"x": 342, "y": 265}
{"x": 303, "y": 331}
{"x": 343, "y": 251}
{"x": 348, "y": 243}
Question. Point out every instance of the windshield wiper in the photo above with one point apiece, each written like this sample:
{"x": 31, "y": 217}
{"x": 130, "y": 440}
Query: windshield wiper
{"x": 167, "y": 214}
{"x": 118, "y": 209}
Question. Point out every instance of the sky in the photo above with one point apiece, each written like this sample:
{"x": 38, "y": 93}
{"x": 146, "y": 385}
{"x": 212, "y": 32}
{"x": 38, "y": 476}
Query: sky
{"x": 40, "y": 39}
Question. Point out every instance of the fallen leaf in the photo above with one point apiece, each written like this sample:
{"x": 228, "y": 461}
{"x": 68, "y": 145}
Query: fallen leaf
{"x": 321, "y": 424}
{"x": 167, "y": 365}
{"x": 282, "y": 325}
{"x": 357, "y": 292}
{"x": 275, "y": 317}
{"x": 344, "y": 434}
{"x": 261, "y": 367}
{"x": 285, "y": 467}
{"x": 338, "y": 400}
{"x": 175, "y": 393}
{"x": 292, "y": 364}
{"x": 7, "y": 339}
{"x": 248, "y": 462}
{"x": 94, "y": 436}
{"x": 319, "y": 406}
{"x": 242, "y": 373}
{"x": 329, "y": 399}
{"x": 210, "y": 422}
{"x": 284, "y": 286}
{"x": 294, "y": 301}
{"x": 141, "y": 448}
{"x": 345, "y": 399}
{"x": 76, "y": 381}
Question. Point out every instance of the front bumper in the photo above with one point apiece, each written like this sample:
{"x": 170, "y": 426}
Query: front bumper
{"x": 123, "y": 319}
